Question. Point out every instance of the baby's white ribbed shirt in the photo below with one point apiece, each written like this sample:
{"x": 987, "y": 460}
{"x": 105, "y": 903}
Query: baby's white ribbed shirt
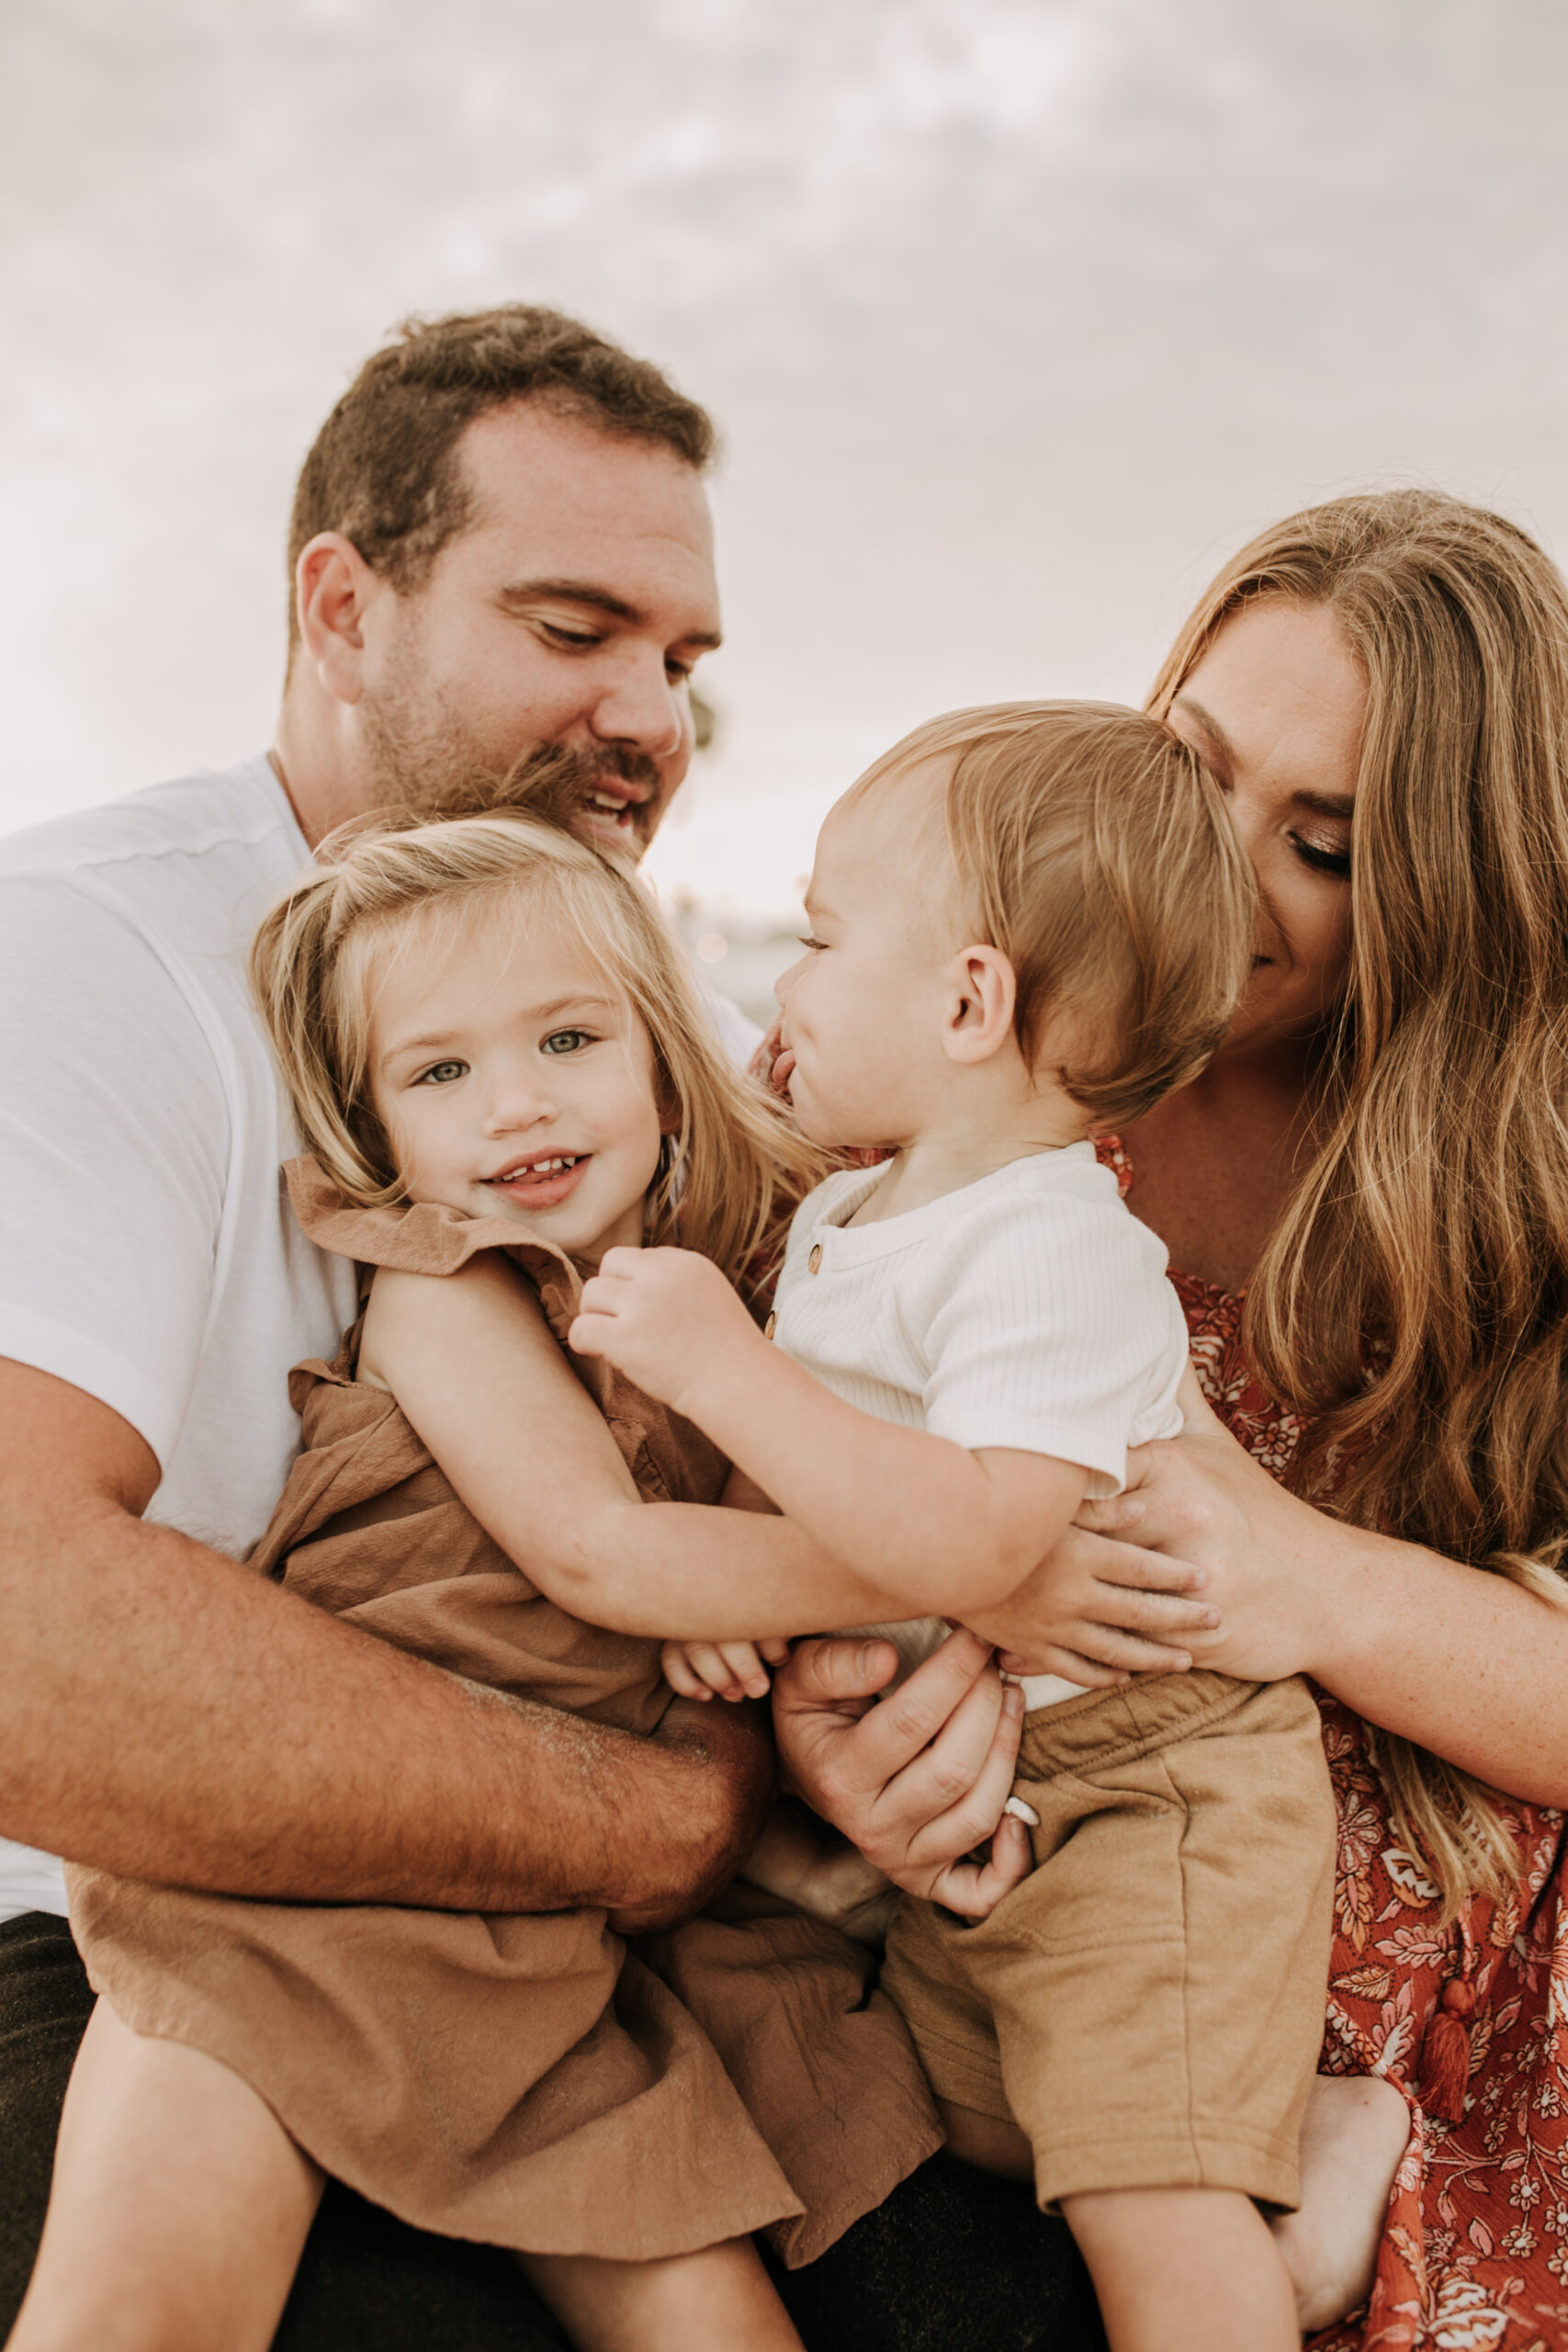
{"x": 1029, "y": 1309}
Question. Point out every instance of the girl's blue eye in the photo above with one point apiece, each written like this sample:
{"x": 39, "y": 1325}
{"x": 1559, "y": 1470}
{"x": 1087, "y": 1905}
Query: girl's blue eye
{"x": 565, "y": 1041}
{"x": 441, "y": 1073}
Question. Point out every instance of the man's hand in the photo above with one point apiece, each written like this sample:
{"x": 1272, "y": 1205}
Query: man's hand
{"x": 918, "y": 1781}
{"x": 666, "y": 1317}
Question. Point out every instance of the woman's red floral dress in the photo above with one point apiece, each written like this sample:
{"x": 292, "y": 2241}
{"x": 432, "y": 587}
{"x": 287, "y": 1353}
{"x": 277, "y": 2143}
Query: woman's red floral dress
{"x": 1475, "y": 2249}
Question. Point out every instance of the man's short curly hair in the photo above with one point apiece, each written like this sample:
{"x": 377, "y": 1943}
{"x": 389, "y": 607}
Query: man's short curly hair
{"x": 384, "y": 467}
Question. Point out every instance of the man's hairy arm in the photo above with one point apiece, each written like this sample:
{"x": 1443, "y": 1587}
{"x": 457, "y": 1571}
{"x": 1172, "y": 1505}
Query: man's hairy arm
{"x": 167, "y": 1714}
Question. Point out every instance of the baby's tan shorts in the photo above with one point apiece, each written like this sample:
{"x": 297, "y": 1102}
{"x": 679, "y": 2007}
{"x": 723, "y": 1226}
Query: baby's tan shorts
{"x": 1148, "y": 2005}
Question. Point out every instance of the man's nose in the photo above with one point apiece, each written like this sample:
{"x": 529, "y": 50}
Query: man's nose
{"x": 643, "y": 704}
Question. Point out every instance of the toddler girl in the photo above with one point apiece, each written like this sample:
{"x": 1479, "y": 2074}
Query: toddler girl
{"x": 501, "y": 1071}
{"x": 1027, "y": 925}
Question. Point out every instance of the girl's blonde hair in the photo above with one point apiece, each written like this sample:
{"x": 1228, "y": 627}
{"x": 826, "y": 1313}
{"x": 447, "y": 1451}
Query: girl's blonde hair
{"x": 1091, "y": 846}
{"x": 317, "y": 957}
{"x": 1414, "y": 1301}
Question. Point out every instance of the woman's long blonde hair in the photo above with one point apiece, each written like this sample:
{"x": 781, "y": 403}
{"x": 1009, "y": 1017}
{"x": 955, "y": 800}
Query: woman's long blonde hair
{"x": 317, "y": 955}
{"x": 1414, "y": 1301}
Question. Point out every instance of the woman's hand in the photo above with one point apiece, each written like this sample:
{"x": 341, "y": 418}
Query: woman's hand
{"x": 1099, "y": 1612}
{"x": 918, "y": 1781}
{"x": 1260, "y": 1556}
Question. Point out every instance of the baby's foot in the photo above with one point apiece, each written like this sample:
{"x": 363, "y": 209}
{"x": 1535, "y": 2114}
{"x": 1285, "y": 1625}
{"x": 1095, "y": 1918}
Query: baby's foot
{"x": 1354, "y": 2134}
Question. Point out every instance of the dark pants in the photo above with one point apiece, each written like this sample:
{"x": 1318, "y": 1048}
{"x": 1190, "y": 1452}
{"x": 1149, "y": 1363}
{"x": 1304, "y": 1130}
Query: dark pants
{"x": 953, "y": 2261}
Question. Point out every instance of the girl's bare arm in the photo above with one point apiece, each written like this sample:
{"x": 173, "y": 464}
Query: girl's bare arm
{"x": 472, "y": 1363}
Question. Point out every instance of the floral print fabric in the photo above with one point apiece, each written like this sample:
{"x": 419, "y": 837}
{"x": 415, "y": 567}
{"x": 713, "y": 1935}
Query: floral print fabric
{"x": 1474, "y": 2255}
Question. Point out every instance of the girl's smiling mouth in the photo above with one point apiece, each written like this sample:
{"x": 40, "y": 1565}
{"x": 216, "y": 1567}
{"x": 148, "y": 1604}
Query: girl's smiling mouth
{"x": 542, "y": 1179}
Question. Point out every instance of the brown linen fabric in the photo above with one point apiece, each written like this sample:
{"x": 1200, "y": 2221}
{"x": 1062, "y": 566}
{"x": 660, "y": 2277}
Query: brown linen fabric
{"x": 1149, "y": 2004}
{"x": 529, "y": 2081}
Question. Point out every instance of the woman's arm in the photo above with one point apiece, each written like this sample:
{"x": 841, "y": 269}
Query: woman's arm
{"x": 1463, "y": 1662}
{"x": 937, "y": 1527}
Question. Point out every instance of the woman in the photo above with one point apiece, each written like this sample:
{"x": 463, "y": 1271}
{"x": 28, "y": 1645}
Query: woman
{"x": 1366, "y": 1198}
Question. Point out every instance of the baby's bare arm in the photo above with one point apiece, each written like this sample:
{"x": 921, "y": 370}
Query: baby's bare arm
{"x": 937, "y": 1527}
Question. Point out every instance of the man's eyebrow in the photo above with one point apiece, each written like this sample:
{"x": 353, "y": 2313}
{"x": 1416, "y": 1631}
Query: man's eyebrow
{"x": 601, "y": 600}
{"x": 1325, "y": 804}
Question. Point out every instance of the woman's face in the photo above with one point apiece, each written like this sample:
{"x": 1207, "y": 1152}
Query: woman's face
{"x": 1276, "y": 709}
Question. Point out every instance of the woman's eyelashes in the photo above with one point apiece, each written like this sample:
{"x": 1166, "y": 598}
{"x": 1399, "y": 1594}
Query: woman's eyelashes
{"x": 1323, "y": 856}
{"x": 813, "y": 946}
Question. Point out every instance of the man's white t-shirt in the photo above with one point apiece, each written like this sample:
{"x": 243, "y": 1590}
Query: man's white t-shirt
{"x": 147, "y": 1252}
{"x": 1028, "y": 1310}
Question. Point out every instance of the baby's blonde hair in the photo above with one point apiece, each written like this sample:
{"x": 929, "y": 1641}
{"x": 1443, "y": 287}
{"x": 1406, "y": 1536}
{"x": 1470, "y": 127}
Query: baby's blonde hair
{"x": 319, "y": 950}
{"x": 1093, "y": 848}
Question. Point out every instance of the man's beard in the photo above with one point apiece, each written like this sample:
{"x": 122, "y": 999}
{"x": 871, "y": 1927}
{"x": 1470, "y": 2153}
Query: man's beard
{"x": 421, "y": 757}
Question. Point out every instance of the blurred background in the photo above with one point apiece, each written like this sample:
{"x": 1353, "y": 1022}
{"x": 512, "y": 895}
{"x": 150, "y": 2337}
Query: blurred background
{"x": 1017, "y": 315}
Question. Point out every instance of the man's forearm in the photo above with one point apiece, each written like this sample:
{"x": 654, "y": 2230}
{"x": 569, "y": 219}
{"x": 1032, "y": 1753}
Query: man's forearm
{"x": 167, "y": 1715}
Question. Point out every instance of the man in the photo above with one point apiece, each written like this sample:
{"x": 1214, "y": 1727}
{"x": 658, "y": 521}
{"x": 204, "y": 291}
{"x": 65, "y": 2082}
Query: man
{"x": 500, "y": 537}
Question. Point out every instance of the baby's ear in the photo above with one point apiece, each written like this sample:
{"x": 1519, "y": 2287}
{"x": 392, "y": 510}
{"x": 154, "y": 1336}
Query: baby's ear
{"x": 981, "y": 995}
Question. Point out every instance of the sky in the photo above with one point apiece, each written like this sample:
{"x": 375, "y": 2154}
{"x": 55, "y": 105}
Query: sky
{"x": 1017, "y": 317}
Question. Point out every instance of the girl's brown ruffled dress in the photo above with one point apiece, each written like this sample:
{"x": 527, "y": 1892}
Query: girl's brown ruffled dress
{"x": 528, "y": 2080}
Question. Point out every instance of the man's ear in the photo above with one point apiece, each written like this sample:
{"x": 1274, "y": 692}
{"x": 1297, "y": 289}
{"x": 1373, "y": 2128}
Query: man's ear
{"x": 333, "y": 589}
{"x": 981, "y": 996}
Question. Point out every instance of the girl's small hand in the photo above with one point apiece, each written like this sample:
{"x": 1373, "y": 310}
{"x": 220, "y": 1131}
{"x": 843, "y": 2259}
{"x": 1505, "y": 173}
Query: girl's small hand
{"x": 724, "y": 1669}
{"x": 665, "y": 1317}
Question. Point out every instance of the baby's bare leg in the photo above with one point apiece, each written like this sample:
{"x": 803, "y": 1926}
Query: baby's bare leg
{"x": 178, "y": 2209}
{"x": 1184, "y": 2270}
{"x": 1353, "y": 2136}
{"x": 710, "y": 2302}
